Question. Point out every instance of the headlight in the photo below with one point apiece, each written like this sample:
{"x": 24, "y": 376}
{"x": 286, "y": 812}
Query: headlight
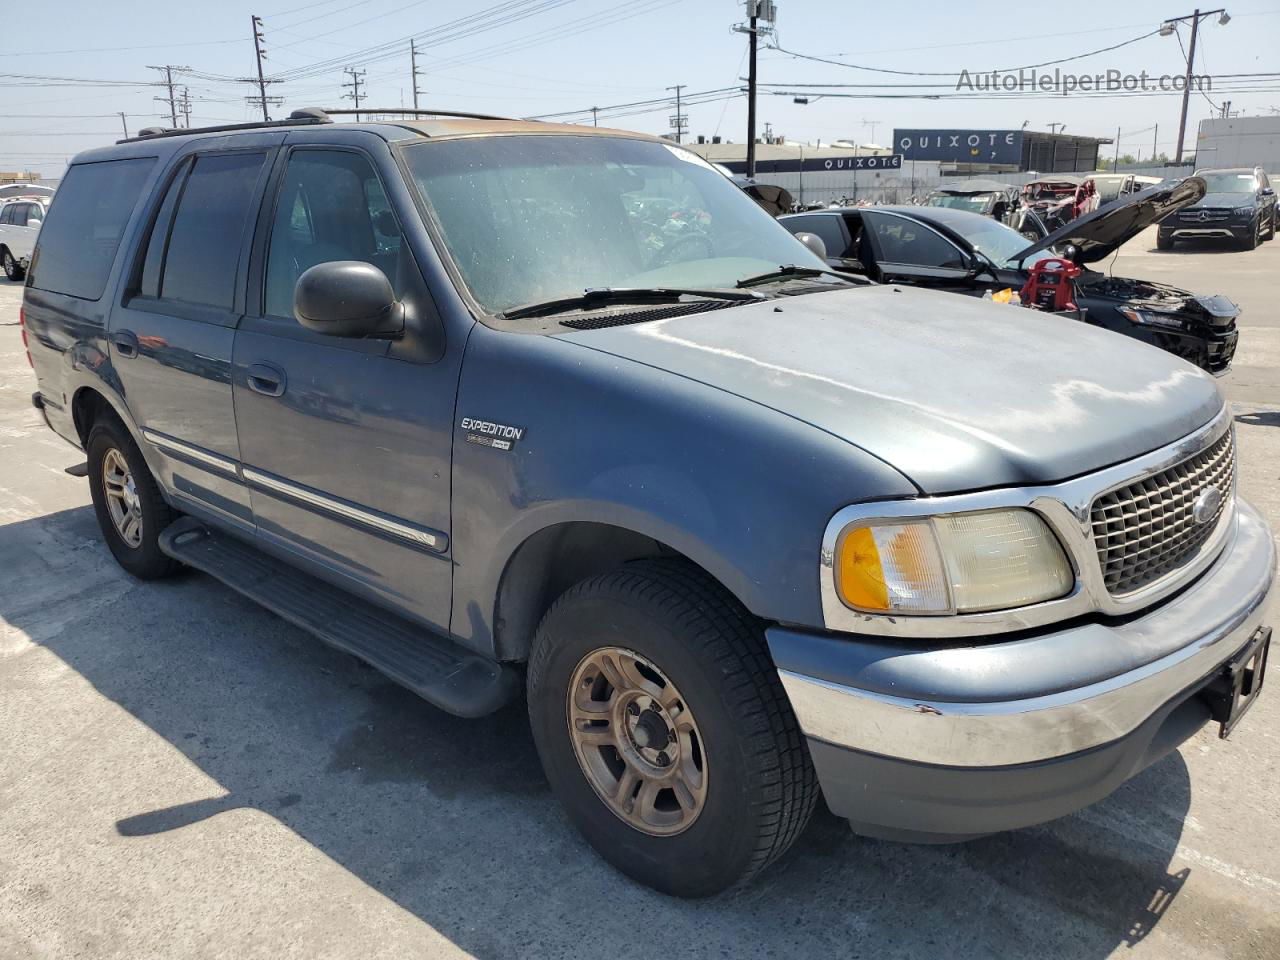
{"x": 1149, "y": 318}
{"x": 1244, "y": 213}
{"x": 955, "y": 563}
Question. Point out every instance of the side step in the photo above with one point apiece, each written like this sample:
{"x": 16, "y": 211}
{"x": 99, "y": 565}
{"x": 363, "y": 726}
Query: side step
{"x": 441, "y": 672}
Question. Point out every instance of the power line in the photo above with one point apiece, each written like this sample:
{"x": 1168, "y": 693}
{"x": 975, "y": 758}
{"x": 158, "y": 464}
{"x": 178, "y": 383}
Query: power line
{"x": 936, "y": 73}
{"x": 168, "y": 69}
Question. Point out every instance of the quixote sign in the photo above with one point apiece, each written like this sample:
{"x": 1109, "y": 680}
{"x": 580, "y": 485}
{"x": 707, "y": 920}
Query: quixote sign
{"x": 960, "y": 146}
{"x": 819, "y": 164}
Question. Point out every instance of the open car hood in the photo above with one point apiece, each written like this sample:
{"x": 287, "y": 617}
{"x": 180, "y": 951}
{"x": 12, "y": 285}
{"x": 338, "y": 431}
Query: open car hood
{"x": 1099, "y": 234}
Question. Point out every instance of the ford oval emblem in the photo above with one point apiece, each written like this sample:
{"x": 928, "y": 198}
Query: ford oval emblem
{"x": 1207, "y": 504}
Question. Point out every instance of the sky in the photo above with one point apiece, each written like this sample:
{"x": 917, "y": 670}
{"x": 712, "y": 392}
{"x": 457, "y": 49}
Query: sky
{"x": 66, "y": 82}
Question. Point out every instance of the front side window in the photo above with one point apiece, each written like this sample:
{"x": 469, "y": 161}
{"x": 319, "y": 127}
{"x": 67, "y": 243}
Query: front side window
{"x": 79, "y": 238}
{"x": 903, "y": 240}
{"x": 331, "y": 207}
{"x": 829, "y": 228}
{"x": 535, "y": 217}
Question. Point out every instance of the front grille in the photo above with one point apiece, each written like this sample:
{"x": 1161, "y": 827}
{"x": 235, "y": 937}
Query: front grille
{"x": 1145, "y": 530}
{"x": 1204, "y": 214}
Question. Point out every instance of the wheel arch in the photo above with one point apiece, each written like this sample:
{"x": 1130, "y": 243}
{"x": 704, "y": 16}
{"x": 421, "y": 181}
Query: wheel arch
{"x": 551, "y": 560}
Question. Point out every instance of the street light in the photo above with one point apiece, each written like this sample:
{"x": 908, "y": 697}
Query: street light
{"x": 1166, "y": 29}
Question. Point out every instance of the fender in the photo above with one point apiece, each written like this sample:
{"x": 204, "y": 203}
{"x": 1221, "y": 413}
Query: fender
{"x": 739, "y": 488}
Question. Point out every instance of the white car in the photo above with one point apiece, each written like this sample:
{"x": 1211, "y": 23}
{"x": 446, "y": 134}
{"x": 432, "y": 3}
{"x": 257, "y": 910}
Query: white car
{"x": 20, "y": 220}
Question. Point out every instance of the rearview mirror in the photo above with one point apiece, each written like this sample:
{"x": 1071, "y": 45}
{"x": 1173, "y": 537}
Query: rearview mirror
{"x": 814, "y": 243}
{"x": 348, "y": 298}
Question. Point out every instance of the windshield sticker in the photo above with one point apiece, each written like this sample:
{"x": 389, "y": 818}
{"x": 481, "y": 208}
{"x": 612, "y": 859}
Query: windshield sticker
{"x": 688, "y": 156}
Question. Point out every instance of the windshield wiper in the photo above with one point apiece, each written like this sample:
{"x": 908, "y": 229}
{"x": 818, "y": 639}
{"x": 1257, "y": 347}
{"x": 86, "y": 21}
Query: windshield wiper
{"x": 790, "y": 271}
{"x": 602, "y": 296}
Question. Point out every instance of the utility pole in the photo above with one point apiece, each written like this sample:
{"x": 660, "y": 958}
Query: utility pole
{"x": 1170, "y": 26}
{"x": 595, "y": 116}
{"x": 257, "y": 51}
{"x": 1115, "y": 165}
{"x": 1053, "y": 127}
{"x": 357, "y": 77}
{"x": 413, "y": 66}
{"x": 124, "y": 125}
{"x": 1155, "y": 142}
{"x": 678, "y": 120}
{"x": 185, "y": 108}
{"x": 168, "y": 69}
{"x": 757, "y": 11}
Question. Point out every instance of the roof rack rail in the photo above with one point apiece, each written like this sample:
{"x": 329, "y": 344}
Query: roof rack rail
{"x": 305, "y": 115}
{"x": 413, "y": 112}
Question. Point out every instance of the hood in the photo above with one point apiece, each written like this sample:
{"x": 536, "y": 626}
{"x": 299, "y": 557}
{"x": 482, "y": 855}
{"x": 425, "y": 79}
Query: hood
{"x": 1099, "y": 234}
{"x": 1225, "y": 200}
{"x": 954, "y": 392}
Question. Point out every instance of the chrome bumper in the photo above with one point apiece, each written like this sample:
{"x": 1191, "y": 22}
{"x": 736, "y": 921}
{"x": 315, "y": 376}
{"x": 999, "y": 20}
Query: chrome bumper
{"x": 996, "y": 704}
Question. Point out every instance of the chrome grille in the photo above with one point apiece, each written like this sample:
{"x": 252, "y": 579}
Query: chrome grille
{"x": 1145, "y": 529}
{"x": 1204, "y": 214}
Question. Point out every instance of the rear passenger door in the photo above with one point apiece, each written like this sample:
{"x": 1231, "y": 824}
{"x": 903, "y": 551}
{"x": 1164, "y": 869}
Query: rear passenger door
{"x": 345, "y": 442}
{"x": 171, "y": 339}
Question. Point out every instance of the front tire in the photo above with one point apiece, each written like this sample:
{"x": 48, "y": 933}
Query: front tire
{"x": 664, "y": 730}
{"x": 1164, "y": 242}
{"x": 131, "y": 510}
{"x": 1251, "y": 242}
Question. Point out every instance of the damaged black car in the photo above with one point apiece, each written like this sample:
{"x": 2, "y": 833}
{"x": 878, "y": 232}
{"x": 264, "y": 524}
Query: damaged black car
{"x": 962, "y": 252}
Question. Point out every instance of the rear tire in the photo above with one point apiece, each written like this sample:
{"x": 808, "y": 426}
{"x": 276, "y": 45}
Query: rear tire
{"x": 666, "y": 628}
{"x": 11, "y": 268}
{"x": 131, "y": 510}
{"x": 1271, "y": 228}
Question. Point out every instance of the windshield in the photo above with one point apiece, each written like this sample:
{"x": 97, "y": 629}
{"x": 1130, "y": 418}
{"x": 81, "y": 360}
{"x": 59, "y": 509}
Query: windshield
{"x": 1108, "y": 189}
{"x": 998, "y": 242}
{"x": 535, "y": 218}
{"x": 1228, "y": 182}
{"x": 973, "y": 202}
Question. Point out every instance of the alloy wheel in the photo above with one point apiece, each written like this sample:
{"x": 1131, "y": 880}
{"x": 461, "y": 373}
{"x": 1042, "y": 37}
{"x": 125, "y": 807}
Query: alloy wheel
{"x": 637, "y": 741}
{"x": 123, "y": 503}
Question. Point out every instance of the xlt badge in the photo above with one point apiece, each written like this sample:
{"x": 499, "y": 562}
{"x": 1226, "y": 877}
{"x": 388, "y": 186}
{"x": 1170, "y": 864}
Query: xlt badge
{"x": 487, "y": 433}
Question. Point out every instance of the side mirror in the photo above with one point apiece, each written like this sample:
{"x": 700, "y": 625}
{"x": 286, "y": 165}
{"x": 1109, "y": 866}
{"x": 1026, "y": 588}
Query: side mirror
{"x": 34, "y": 222}
{"x": 347, "y": 298}
{"x": 814, "y": 243}
{"x": 1268, "y": 191}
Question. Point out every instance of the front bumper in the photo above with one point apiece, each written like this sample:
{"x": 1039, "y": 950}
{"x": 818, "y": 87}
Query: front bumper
{"x": 1220, "y": 229}
{"x": 923, "y": 743}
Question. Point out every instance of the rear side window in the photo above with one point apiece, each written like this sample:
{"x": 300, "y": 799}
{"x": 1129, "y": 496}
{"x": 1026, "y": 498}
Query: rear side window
{"x": 6, "y": 214}
{"x": 78, "y": 241}
{"x": 203, "y": 248}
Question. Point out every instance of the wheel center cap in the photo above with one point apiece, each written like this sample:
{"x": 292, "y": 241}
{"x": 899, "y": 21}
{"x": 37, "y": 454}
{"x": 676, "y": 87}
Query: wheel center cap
{"x": 651, "y": 732}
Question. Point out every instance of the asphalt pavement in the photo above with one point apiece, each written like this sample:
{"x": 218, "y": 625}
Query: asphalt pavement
{"x": 183, "y": 774}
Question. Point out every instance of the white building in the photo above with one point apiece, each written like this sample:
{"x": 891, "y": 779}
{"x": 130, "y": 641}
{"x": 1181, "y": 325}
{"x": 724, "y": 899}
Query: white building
{"x": 1239, "y": 142}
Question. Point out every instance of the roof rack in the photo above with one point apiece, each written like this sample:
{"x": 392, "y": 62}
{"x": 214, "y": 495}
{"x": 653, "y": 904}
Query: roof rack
{"x": 304, "y": 116}
{"x": 413, "y": 112}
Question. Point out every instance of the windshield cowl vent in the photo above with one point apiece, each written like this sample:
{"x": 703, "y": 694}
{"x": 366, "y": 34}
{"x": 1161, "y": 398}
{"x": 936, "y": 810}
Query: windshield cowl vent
{"x": 615, "y": 318}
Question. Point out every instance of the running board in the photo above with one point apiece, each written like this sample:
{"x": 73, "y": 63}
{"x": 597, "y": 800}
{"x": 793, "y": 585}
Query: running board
{"x": 452, "y": 678}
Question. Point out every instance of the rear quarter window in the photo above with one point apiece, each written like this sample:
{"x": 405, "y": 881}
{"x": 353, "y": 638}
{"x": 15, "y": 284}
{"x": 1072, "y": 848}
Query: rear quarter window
{"x": 79, "y": 238}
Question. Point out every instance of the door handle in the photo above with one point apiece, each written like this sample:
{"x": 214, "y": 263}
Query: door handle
{"x": 266, "y": 378}
{"x": 126, "y": 342}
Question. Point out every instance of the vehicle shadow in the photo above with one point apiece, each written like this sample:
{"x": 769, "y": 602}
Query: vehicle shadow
{"x": 452, "y": 819}
{"x": 1204, "y": 245}
{"x": 1260, "y": 418}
